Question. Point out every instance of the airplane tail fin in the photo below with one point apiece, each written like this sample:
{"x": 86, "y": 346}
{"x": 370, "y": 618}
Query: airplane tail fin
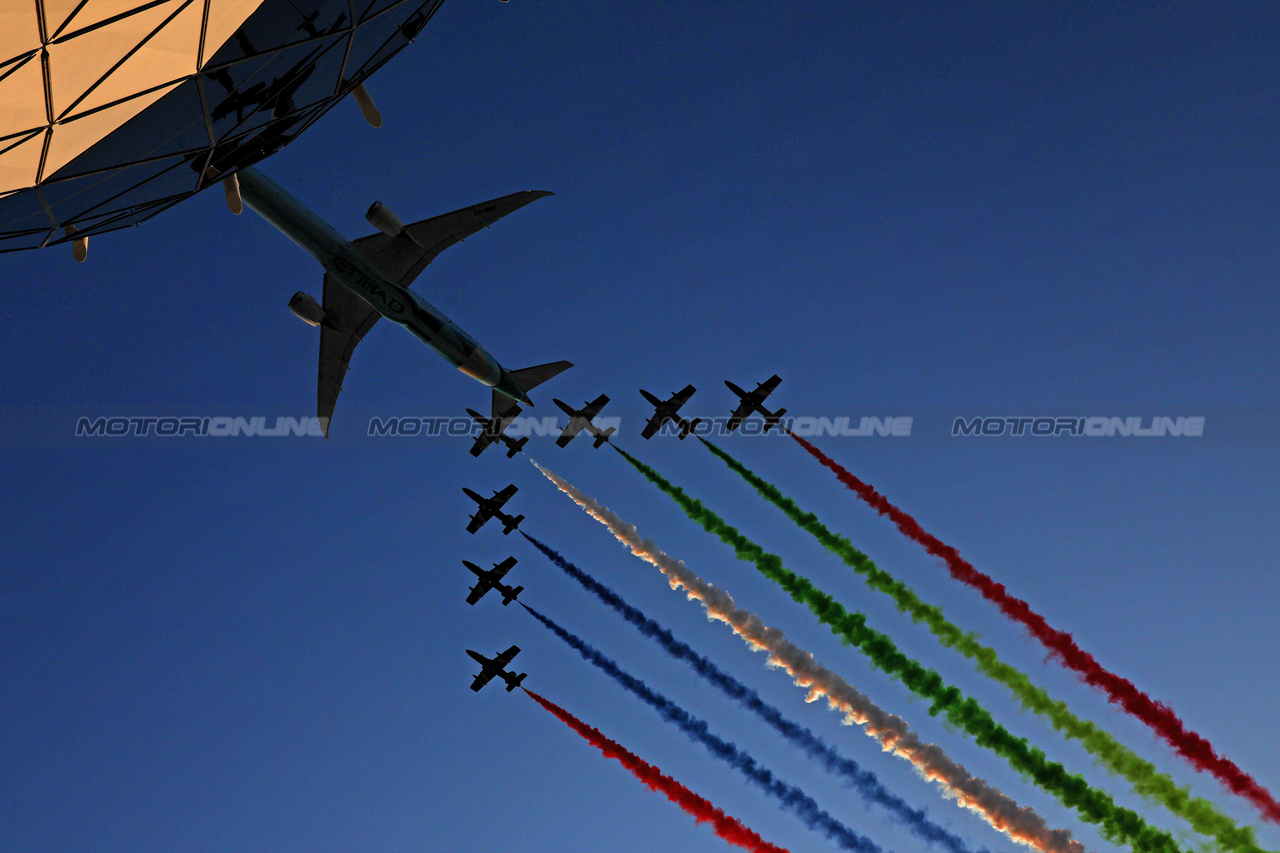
{"x": 514, "y": 682}
{"x": 515, "y": 447}
{"x": 688, "y": 427}
{"x": 507, "y": 599}
{"x": 603, "y": 437}
{"x": 512, "y": 524}
{"x": 527, "y": 378}
{"x": 772, "y": 420}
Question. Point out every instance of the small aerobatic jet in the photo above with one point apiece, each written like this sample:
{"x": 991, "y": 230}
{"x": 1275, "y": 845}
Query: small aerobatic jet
{"x": 580, "y": 419}
{"x": 489, "y": 667}
{"x": 494, "y": 429}
{"x": 666, "y": 411}
{"x": 749, "y": 401}
{"x": 492, "y": 579}
{"x": 492, "y": 508}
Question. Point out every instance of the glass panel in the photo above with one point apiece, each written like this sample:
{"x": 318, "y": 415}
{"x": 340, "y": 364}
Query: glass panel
{"x": 22, "y": 98}
{"x": 18, "y": 241}
{"x": 87, "y": 195}
{"x": 174, "y": 123}
{"x": 22, "y": 211}
{"x": 248, "y": 149}
{"x": 56, "y": 13}
{"x": 76, "y": 64}
{"x": 168, "y": 55}
{"x": 19, "y": 30}
{"x": 278, "y": 24}
{"x": 263, "y": 85}
{"x": 225, "y": 17}
{"x": 97, "y": 11}
{"x": 19, "y": 164}
{"x": 366, "y": 9}
{"x": 370, "y": 39}
{"x": 72, "y": 139}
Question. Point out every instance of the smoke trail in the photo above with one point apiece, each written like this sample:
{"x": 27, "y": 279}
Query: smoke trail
{"x": 1020, "y": 823}
{"x": 815, "y": 747}
{"x": 1142, "y": 774}
{"x": 1094, "y": 806}
{"x": 1062, "y": 645}
{"x": 728, "y": 828}
{"x": 790, "y": 796}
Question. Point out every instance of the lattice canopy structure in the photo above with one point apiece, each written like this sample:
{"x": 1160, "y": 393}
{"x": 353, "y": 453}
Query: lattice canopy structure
{"x": 114, "y": 110}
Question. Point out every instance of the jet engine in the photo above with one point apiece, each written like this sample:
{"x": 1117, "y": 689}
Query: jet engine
{"x": 384, "y": 219}
{"x": 306, "y": 309}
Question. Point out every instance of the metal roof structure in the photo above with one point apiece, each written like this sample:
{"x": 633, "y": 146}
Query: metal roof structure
{"x": 112, "y": 110}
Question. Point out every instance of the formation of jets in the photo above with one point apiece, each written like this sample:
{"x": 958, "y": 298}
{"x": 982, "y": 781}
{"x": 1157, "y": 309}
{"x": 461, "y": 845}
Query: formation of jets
{"x": 580, "y": 419}
{"x": 666, "y": 411}
{"x": 496, "y": 666}
{"x": 749, "y": 401}
{"x": 492, "y": 508}
{"x": 492, "y": 579}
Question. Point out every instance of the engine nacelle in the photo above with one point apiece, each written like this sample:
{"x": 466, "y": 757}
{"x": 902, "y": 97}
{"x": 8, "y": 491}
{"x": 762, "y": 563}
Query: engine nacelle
{"x": 384, "y": 219}
{"x": 306, "y": 309}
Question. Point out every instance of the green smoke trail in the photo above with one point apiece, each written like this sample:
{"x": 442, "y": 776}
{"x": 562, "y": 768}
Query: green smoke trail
{"x": 1118, "y": 824}
{"x": 1203, "y": 816}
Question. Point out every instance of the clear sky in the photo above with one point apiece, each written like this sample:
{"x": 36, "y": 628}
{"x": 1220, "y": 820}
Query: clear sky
{"x": 916, "y": 210}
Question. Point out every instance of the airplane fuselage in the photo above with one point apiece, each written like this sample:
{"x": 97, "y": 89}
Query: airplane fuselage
{"x": 362, "y": 277}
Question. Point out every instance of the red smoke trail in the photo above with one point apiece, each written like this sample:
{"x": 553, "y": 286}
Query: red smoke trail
{"x": 728, "y": 828}
{"x": 1158, "y": 716}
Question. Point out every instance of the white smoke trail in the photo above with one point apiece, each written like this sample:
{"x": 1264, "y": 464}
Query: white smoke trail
{"x": 1020, "y": 823}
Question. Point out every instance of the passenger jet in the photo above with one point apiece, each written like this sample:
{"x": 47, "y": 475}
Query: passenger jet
{"x": 369, "y": 278}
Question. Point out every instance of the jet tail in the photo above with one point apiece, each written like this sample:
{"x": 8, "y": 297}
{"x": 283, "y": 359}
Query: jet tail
{"x": 507, "y": 599}
{"x": 772, "y": 420}
{"x": 512, "y": 524}
{"x": 514, "y": 681}
{"x": 527, "y": 378}
{"x": 603, "y": 437}
{"x": 688, "y": 427}
{"x": 515, "y": 446}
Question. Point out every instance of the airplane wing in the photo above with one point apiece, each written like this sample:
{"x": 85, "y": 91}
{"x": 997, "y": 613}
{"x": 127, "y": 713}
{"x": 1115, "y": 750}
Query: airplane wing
{"x": 499, "y": 571}
{"x": 765, "y": 388}
{"x": 744, "y": 409}
{"x": 477, "y": 521}
{"x": 483, "y": 440}
{"x": 505, "y": 495}
{"x": 571, "y": 430}
{"x": 478, "y": 591}
{"x": 482, "y": 679}
{"x": 652, "y": 426}
{"x": 682, "y": 396}
{"x": 403, "y": 259}
{"x": 593, "y": 408}
{"x": 349, "y": 318}
{"x": 505, "y": 658}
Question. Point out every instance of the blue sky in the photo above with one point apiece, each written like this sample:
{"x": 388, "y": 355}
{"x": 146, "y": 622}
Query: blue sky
{"x": 902, "y": 209}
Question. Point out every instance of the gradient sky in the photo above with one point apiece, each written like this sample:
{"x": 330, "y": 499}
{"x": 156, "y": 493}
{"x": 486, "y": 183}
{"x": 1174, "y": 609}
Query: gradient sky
{"x": 915, "y": 209}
